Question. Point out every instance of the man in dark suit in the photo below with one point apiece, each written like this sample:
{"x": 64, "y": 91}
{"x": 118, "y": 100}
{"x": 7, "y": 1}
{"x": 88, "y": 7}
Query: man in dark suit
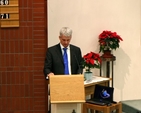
{"x": 54, "y": 63}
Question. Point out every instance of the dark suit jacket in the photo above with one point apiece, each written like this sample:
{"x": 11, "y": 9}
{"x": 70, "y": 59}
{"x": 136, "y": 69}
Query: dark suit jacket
{"x": 54, "y": 60}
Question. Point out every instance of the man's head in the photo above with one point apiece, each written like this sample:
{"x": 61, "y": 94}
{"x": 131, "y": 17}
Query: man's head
{"x": 65, "y": 36}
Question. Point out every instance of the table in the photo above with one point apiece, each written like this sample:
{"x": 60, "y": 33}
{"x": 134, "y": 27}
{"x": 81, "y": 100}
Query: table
{"x": 89, "y": 86}
{"x": 103, "y": 109}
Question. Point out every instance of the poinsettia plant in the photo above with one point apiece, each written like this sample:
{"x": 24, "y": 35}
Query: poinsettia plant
{"x": 109, "y": 40}
{"x": 91, "y": 60}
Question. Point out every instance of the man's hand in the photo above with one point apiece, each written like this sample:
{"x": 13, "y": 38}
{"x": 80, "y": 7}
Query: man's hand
{"x": 50, "y": 74}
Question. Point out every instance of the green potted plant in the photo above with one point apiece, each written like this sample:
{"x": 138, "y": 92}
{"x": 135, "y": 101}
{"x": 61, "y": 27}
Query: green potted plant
{"x": 90, "y": 60}
{"x": 109, "y": 41}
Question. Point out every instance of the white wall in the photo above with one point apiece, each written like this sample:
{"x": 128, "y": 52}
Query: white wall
{"x": 88, "y": 18}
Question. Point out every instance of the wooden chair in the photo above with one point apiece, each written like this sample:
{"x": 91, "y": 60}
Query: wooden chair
{"x": 106, "y": 109}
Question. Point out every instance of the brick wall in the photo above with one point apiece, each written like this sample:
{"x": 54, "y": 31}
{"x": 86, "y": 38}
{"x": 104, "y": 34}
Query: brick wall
{"x": 22, "y": 51}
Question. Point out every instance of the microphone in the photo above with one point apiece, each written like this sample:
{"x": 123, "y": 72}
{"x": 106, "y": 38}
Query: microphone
{"x": 47, "y": 78}
{"x": 79, "y": 69}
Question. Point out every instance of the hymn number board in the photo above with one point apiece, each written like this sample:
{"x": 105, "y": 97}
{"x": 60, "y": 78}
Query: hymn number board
{"x": 9, "y": 13}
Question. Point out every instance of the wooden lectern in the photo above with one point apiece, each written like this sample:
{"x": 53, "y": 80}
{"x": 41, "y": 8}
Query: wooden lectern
{"x": 67, "y": 93}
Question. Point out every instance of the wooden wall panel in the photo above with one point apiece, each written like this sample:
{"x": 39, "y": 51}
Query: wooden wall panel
{"x": 8, "y": 8}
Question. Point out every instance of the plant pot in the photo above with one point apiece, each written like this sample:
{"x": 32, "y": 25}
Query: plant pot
{"x": 107, "y": 54}
{"x": 88, "y": 76}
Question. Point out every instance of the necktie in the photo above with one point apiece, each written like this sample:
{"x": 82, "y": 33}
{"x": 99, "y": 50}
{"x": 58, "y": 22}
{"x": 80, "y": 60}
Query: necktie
{"x": 65, "y": 57}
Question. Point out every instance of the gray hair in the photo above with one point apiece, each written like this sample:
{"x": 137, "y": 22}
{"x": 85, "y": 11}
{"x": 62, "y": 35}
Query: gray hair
{"x": 66, "y": 31}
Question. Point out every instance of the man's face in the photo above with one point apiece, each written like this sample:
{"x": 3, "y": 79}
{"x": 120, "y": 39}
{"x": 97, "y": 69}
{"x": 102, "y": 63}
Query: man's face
{"x": 65, "y": 40}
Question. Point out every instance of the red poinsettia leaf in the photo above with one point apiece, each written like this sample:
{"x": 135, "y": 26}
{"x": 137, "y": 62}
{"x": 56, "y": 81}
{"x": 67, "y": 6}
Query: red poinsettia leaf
{"x": 114, "y": 34}
{"x": 87, "y": 61}
{"x": 119, "y": 38}
{"x": 87, "y": 56}
{"x": 92, "y": 61}
{"x": 96, "y": 56}
{"x": 99, "y": 60}
{"x": 90, "y": 55}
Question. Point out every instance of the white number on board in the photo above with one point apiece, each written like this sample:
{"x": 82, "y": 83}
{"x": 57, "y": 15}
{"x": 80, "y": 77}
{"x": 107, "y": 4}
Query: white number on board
{"x": 4, "y": 2}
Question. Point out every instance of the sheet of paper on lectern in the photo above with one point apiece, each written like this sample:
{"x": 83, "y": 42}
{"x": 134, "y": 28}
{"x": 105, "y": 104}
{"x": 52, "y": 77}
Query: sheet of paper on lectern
{"x": 96, "y": 79}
